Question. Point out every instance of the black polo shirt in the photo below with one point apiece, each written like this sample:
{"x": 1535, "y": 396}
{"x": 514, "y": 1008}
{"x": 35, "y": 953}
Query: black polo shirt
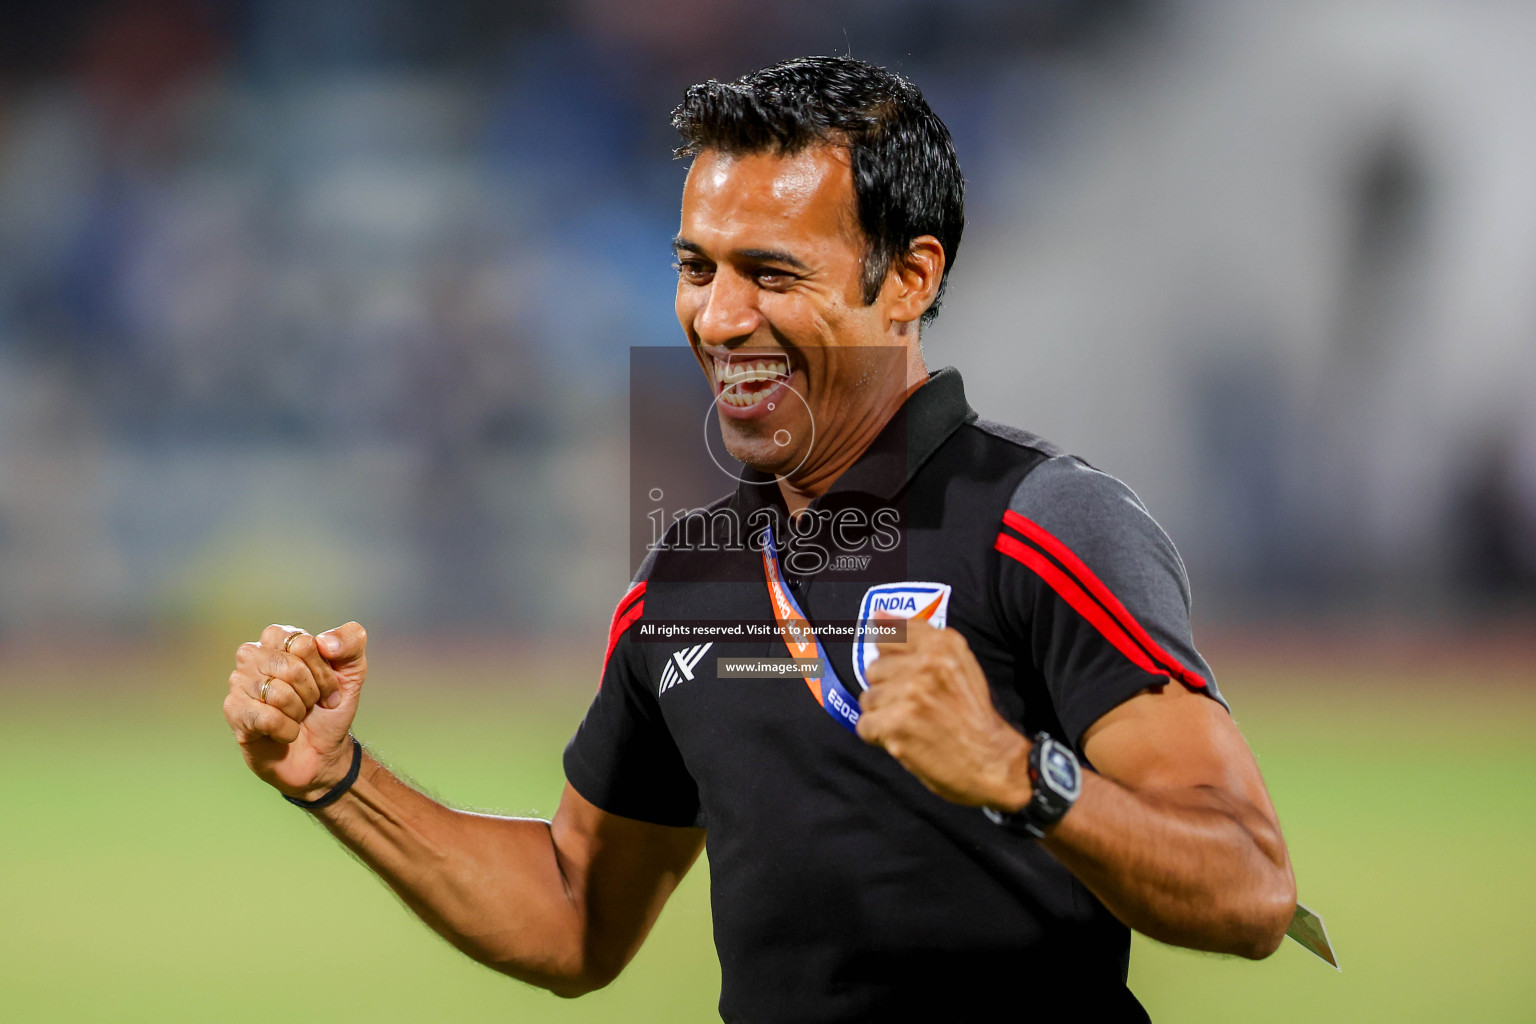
{"x": 842, "y": 889}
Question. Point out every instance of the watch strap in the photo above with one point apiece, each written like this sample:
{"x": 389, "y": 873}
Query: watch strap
{"x": 1055, "y": 778}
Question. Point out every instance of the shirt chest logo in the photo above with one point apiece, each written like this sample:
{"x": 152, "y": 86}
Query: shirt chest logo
{"x": 680, "y": 666}
{"x": 910, "y": 600}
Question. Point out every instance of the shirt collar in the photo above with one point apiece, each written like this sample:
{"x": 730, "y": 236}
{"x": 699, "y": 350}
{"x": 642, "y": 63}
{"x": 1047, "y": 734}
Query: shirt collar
{"x": 924, "y": 422}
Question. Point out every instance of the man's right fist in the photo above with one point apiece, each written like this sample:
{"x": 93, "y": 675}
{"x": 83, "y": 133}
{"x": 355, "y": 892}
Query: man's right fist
{"x": 292, "y": 698}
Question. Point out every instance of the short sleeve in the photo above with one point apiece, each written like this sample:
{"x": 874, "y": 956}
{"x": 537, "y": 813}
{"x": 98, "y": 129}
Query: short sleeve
{"x": 1096, "y": 591}
{"x": 623, "y": 758}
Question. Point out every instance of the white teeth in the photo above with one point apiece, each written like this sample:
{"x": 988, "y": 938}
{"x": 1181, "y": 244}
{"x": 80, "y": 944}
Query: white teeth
{"x": 730, "y": 373}
{"x": 739, "y": 371}
{"x": 740, "y": 399}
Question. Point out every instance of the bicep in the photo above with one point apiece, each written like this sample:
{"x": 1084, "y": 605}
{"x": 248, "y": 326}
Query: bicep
{"x": 618, "y": 874}
{"x": 1173, "y": 741}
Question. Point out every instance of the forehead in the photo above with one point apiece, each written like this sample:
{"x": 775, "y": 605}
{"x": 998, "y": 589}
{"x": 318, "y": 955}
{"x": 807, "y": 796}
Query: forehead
{"x": 763, "y": 199}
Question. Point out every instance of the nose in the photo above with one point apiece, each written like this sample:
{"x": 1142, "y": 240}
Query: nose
{"x": 728, "y": 313}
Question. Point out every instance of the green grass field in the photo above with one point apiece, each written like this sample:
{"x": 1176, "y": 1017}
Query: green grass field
{"x": 145, "y": 876}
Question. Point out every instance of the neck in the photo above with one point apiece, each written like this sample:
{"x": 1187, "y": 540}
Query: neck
{"x": 807, "y": 486}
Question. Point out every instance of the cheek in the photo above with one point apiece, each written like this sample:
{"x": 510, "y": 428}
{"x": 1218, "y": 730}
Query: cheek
{"x": 684, "y": 304}
{"x": 809, "y": 326}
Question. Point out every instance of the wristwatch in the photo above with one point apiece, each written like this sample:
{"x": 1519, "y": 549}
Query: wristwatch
{"x": 1056, "y": 778}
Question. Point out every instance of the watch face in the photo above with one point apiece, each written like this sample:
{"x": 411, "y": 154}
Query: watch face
{"x": 1060, "y": 770}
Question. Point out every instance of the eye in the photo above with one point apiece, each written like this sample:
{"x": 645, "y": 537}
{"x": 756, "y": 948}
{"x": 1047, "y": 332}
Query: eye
{"x": 772, "y": 277}
{"x": 693, "y": 271}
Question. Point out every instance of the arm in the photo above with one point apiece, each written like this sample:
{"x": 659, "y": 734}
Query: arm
{"x": 562, "y": 904}
{"x": 1175, "y": 833}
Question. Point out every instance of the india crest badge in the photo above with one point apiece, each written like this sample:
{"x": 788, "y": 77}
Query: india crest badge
{"x": 928, "y": 601}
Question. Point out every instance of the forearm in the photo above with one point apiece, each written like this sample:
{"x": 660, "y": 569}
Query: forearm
{"x": 493, "y": 887}
{"x": 1193, "y": 867}
{"x": 562, "y": 904}
{"x": 1174, "y": 831}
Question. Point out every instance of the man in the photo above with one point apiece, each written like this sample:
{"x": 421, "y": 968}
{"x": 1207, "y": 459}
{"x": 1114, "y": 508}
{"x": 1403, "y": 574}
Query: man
{"x": 956, "y": 860}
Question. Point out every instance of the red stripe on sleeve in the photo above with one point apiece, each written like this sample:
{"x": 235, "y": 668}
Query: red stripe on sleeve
{"x": 1084, "y": 577}
{"x": 1071, "y": 593}
{"x": 625, "y": 615}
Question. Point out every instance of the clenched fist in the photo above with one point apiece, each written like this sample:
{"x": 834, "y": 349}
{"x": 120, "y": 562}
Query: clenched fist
{"x": 292, "y": 698}
{"x": 929, "y": 706}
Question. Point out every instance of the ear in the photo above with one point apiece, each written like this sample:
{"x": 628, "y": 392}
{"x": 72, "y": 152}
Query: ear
{"x": 912, "y": 283}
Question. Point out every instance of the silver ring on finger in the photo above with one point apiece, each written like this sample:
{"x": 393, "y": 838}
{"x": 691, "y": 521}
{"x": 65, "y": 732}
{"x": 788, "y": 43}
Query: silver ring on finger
{"x": 266, "y": 684}
{"x": 288, "y": 643}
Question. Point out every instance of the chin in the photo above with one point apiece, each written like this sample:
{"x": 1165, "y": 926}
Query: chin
{"x": 758, "y": 459}
{"x": 760, "y": 453}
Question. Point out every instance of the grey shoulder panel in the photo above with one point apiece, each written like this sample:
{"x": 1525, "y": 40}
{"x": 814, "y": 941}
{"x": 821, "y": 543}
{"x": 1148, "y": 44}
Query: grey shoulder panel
{"x": 1022, "y": 438}
{"x": 1100, "y": 520}
{"x": 1092, "y": 546}
{"x": 646, "y": 565}
{"x": 670, "y": 540}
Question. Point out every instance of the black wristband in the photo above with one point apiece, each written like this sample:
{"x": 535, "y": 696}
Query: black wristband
{"x": 337, "y": 791}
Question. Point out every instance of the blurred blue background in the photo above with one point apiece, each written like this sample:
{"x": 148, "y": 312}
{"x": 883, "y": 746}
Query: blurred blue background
{"x": 352, "y": 286}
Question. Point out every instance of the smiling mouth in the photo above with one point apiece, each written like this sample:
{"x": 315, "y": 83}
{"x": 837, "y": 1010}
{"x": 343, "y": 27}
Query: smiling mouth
{"x": 744, "y": 384}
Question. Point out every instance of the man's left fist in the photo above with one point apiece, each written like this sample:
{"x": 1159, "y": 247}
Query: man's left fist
{"x": 929, "y": 706}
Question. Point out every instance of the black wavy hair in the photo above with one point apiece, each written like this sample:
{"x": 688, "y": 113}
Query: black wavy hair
{"x": 906, "y": 180}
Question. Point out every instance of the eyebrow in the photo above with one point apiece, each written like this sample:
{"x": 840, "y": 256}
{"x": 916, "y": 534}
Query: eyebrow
{"x": 681, "y": 244}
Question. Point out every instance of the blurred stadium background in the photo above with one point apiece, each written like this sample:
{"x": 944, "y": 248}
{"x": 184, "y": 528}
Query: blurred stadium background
{"x": 315, "y": 311}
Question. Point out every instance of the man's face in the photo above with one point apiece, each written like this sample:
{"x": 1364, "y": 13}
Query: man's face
{"x": 769, "y": 295}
